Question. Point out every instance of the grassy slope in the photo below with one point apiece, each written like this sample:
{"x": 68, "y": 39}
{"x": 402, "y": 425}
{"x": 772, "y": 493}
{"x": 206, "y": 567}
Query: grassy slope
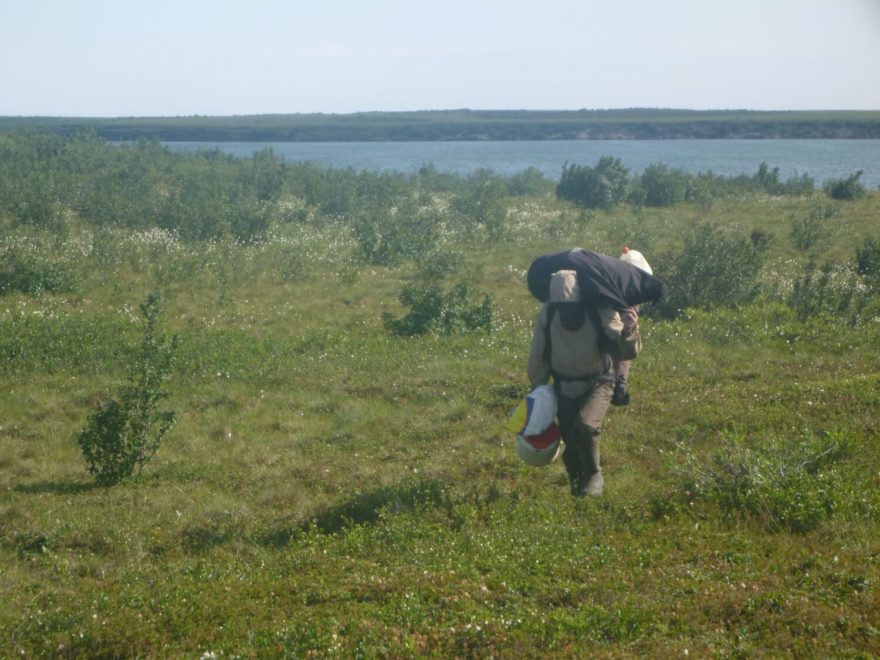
{"x": 331, "y": 488}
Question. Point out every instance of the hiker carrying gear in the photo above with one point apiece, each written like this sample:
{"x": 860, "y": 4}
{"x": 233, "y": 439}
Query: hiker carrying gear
{"x": 582, "y": 372}
{"x": 587, "y": 322}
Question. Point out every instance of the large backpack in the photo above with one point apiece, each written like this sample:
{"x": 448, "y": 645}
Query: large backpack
{"x": 604, "y": 281}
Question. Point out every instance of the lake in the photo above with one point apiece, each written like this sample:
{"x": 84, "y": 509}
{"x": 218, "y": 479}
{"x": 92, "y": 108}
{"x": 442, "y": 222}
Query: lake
{"x": 821, "y": 159}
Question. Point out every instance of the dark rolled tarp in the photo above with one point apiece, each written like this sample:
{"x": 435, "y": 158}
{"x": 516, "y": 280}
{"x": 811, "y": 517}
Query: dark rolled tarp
{"x": 604, "y": 281}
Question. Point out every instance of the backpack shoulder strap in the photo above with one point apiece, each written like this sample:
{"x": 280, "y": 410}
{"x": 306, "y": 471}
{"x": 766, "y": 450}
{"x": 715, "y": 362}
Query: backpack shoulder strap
{"x": 548, "y": 346}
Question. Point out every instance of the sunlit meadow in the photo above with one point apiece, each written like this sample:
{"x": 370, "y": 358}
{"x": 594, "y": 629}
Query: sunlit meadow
{"x": 331, "y": 488}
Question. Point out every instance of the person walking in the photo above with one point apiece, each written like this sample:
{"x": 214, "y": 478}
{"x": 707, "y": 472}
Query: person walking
{"x": 577, "y": 345}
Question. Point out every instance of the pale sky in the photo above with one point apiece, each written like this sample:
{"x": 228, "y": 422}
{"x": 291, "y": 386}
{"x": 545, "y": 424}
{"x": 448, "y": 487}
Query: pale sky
{"x": 219, "y": 57}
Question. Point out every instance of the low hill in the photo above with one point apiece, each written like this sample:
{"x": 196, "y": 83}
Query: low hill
{"x": 437, "y": 125}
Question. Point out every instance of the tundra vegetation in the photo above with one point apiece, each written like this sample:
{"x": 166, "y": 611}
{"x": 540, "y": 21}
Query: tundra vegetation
{"x": 347, "y": 345}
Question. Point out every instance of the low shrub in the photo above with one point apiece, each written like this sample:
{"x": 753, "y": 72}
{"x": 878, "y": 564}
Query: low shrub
{"x": 767, "y": 179}
{"x": 604, "y": 186}
{"x": 811, "y": 229}
{"x": 481, "y": 205}
{"x": 440, "y": 264}
{"x": 21, "y": 272}
{"x": 845, "y": 189}
{"x": 835, "y": 290}
{"x": 530, "y": 181}
{"x": 713, "y": 269}
{"x": 868, "y": 259}
{"x": 387, "y": 236}
{"x": 663, "y": 186}
{"x": 125, "y": 431}
{"x": 437, "y": 308}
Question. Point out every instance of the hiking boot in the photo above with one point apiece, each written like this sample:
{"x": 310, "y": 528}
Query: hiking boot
{"x": 590, "y": 485}
{"x": 591, "y": 481}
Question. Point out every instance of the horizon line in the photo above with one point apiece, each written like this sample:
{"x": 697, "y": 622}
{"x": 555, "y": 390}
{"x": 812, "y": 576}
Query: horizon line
{"x": 434, "y": 111}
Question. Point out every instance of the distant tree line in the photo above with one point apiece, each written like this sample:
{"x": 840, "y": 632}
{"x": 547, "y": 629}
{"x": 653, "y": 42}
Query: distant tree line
{"x": 473, "y": 125}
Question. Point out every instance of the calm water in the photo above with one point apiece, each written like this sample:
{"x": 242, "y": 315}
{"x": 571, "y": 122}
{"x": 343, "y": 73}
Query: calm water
{"x": 821, "y": 159}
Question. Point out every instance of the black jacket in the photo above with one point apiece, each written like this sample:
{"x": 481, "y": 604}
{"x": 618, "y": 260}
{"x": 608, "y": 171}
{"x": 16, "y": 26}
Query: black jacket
{"x": 604, "y": 281}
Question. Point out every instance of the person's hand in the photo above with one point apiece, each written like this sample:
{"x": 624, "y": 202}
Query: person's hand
{"x": 630, "y": 319}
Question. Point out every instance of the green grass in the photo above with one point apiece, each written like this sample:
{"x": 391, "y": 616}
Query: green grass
{"x": 331, "y": 489}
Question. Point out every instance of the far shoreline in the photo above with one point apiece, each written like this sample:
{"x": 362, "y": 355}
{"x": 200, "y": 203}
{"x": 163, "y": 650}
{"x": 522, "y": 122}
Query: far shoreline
{"x": 473, "y": 126}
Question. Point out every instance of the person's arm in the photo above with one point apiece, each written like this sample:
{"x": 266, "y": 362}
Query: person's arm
{"x": 623, "y": 329}
{"x": 538, "y": 369}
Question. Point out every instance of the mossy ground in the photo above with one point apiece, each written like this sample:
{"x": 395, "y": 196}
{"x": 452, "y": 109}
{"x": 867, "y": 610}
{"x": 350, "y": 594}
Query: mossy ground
{"x": 331, "y": 489}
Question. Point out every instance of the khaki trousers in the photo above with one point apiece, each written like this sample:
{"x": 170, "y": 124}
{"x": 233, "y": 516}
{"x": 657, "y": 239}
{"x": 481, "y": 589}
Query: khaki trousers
{"x": 580, "y": 422}
{"x": 584, "y": 416}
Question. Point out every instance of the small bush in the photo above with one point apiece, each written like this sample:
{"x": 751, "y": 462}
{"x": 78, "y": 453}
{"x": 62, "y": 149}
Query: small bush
{"x": 529, "y": 182}
{"x": 33, "y": 204}
{"x": 387, "y": 236}
{"x": 868, "y": 259}
{"x": 834, "y": 290}
{"x": 435, "y": 308}
{"x": 123, "y": 434}
{"x": 33, "y": 274}
{"x": 249, "y": 220}
{"x": 761, "y": 239}
{"x": 440, "y": 264}
{"x": 714, "y": 269}
{"x": 663, "y": 186}
{"x": 808, "y": 231}
{"x": 767, "y": 180}
{"x": 481, "y": 204}
{"x": 802, "y": 184}
{"x": 602, "y": 187}
{"x": 845, "y": 189}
